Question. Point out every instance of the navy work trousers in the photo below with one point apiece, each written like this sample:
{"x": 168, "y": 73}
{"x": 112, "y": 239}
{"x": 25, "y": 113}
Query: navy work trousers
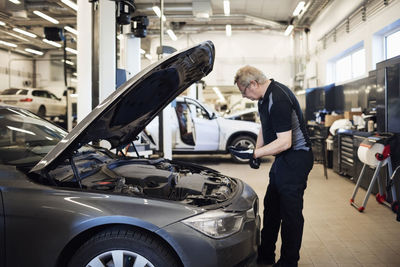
{"x": 283, "y": 205}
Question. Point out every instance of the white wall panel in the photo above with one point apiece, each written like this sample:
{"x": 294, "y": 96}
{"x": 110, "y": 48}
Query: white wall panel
{"x": 267, "y": 50}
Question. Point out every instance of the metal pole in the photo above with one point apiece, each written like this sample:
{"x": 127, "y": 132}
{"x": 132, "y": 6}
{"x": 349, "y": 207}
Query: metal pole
{"x": 65, "y": 62}
{"x": 160, "y": 115}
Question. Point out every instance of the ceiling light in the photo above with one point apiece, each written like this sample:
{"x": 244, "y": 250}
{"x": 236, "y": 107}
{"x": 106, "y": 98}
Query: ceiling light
{"x": 299, "y": 8}
{"x": 15, "y": 35}
{"x": 148, "y": 56}
{"x": 120, "y": 37}
{"x": 172, "y": 35}
{"x": 2, "y": 23}
{"x": 73, "y": 51}
{"x": 157, "y": 10}
{"x": 68, "y": 62}
{"x": 40, "y": 53}
{"x": 71, "y": 30}
{"x": 25, "y": 32}
{"x": 288, "y": 30}
{"x": 70, "y": 4}
{"x": 51, "y": 43}
{"x": 142, "y": 51}
{"x": 44, "y": 16}
{"x": 8, "y": 44}
{"x": 228, "y": 29}
{"x": 17, "y": 2}
{"x": 218, "y": 93}
{"x": 75, "y": 74}
{"x": 227, "y": 8}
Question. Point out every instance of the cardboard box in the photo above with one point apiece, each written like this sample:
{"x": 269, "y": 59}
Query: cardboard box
{"x": 349, "y": 114}
{"x": 329, "y": 119}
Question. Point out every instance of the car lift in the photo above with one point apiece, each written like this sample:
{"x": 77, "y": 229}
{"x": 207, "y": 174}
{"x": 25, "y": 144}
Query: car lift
{"x": 382, "y": 157}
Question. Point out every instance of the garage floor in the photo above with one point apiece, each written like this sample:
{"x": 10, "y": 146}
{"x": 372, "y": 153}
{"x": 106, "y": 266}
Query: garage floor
{"x": 335, "y": 234}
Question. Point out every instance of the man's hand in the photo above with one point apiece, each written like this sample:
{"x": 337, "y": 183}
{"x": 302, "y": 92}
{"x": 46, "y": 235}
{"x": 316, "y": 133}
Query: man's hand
{"x": 241, "y": 152}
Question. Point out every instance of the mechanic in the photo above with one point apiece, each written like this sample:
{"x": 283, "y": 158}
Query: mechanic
{"x": 282, "y": 134}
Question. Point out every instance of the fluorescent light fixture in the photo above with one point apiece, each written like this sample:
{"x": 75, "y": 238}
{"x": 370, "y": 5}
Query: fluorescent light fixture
{"x": 148, "y": 56}
{"x": 73, "y": 51}
{"x": 142, "y": 51}
{"x": 8, "y": 44}
{"x": 157, "y": 10}
{"x": 289, "y": 30}
{"x": 299, "y": 8}
{"x": 218, "y": 93}
{"x": 70, "y": 4}
{"x": 71, "y": 30}
{"x": 15, "y": 35}
{"x": 172, "y": 35}
{"x": 25, "y": 32}
{"x": 51, "y": 43}
{"x": 228, "y": 29}
{"x": 120, "y": 37}
{"x": 44, "y": 16}
{"x": 2, "y": 23}
{"x": 67, "y": 62}
{"x": 227, "y": 7}
{"x": 75, "y": 74}
{"x": 33, "y": 51}
{"x": 17, "y": 2}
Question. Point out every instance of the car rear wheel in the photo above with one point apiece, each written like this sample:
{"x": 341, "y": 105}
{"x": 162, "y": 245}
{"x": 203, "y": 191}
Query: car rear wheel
{"x": 119, "y": 247}
{"x": 42, "y": 111}
{"x": 243, "y": 141}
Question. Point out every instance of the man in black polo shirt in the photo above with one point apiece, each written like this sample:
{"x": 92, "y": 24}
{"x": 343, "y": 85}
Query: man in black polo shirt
{"x": 282, "y": 134}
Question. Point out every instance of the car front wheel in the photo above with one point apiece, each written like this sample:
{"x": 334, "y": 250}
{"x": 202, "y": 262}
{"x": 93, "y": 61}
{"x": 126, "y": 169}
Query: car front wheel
{"x": 122, "y": 248}
{"x": 243, "y": 141}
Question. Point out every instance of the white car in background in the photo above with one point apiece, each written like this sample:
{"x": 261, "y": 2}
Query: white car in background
{"x": 201, "y": 130}
{"x": 39, "y": 101}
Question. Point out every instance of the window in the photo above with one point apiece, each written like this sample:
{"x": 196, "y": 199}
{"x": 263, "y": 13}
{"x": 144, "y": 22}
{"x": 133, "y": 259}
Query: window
{"x": 349, "y": 66}
{"x": 392, "y": 44}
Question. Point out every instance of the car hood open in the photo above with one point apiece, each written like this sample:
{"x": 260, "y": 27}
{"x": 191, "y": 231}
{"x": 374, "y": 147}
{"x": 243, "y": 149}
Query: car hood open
{"x": 127, "y": 111}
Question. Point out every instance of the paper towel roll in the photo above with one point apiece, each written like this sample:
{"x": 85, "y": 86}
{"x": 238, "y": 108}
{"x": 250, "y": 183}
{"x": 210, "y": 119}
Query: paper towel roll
{"x": 367, "y": 155}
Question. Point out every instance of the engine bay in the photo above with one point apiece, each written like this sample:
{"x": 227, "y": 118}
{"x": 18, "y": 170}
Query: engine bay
{"x": 163, "y": 179}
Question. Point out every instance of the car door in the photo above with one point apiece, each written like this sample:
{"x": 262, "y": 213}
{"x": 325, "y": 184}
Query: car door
{"x": 205, "y": 127}
{"x": 59, "y": 104}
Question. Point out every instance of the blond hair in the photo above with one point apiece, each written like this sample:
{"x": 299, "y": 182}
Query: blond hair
{"x": 247, "y": 74}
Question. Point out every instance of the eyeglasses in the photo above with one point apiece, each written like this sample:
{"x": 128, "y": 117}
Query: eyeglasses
{"x": 244, "y": 91}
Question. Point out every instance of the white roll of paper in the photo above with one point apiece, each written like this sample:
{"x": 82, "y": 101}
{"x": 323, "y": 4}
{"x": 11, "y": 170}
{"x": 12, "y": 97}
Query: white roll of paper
{"x": 367, "y": 155}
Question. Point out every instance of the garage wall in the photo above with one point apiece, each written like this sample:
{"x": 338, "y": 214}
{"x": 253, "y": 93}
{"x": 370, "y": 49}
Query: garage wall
{"x": 21, "y": 70}
{"x": 330, "y": 17}
{"x": 267, "y": 50}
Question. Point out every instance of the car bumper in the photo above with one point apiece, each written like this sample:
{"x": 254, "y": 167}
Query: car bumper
{"x": 196, "y": 249}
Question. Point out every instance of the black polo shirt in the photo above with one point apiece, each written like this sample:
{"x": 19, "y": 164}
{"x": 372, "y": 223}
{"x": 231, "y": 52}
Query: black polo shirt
{"x": 280, "y": 112}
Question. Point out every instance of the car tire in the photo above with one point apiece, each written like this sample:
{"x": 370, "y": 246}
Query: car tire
{"x": 120, "y": 247}
{"x": 243, "y": 141}
{"x": 42, "y": 111}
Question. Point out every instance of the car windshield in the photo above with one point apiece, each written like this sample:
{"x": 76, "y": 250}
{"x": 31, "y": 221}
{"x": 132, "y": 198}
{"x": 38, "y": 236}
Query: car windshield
{"x": 25, "y": 138}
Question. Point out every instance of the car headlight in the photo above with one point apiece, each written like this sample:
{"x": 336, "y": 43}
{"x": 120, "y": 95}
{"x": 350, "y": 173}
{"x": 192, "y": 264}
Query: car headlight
{"x": 216, "y": 223}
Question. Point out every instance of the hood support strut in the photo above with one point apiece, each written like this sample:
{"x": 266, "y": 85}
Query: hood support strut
{"x": 75, "y": 170}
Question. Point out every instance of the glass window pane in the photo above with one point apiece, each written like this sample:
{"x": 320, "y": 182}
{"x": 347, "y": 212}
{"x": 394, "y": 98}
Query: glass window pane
{"x": 393, "y": 45}
{"x": 358, "y": 63}
{"x": 343, "y": 69}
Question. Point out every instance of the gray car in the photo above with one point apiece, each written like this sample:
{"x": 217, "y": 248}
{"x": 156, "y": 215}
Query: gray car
{"x": 66, "y": 202}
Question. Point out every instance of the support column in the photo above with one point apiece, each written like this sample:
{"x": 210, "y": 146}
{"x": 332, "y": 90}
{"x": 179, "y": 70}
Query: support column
{"x": 107, "y": 48}
{"x": 130, "y": 53}
{"x": 84, "y": 59}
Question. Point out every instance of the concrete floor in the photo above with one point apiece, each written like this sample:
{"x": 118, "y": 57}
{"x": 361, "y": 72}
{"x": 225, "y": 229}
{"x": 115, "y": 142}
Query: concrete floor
{"x": 335, "y": 233}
